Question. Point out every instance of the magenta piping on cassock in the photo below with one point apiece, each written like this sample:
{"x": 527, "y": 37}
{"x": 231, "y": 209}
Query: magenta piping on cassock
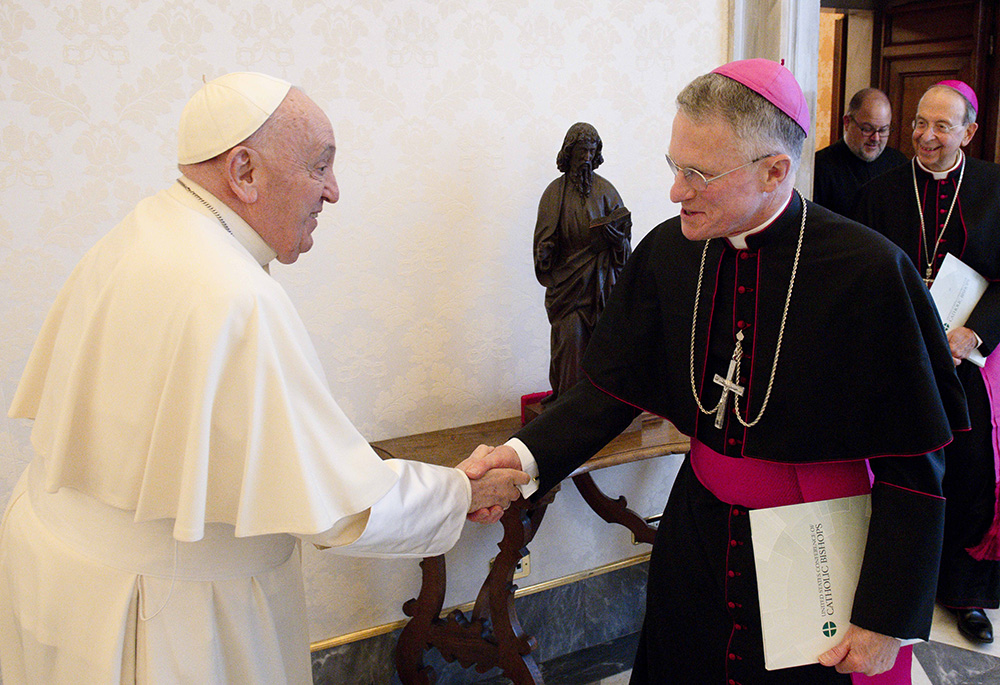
{"x": 766, "y": 461}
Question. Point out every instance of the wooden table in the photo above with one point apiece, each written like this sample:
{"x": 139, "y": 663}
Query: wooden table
{"x": 491, "y": 635}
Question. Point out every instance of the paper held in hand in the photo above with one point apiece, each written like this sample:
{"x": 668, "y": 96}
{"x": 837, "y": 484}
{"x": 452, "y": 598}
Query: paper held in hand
{"x": 808, "y": 560}
{"x": 956, "y": 290}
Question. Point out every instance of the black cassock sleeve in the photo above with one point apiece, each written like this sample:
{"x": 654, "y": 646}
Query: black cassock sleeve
{"x": 573, "y": 429}
{"x": 896, "y": 590}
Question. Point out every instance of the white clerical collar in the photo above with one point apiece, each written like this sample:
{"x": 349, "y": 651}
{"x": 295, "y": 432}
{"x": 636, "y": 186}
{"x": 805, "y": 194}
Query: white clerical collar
{"x": 240, "y": 229}
{"x": 740, "y": 241}
{"x": 941, "y": 175}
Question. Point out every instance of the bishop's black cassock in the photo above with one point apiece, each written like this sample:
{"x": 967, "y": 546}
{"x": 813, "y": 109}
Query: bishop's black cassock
{"x": 864, "y": 372}
{"x": 838, "y": 174}
{"x": 889, "y": 205}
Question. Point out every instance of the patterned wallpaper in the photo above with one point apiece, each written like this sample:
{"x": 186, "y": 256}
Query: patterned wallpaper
{"x": 419, "y": 293}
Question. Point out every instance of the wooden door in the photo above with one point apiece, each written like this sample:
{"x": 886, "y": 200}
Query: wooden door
{"x": 921, "y": 42}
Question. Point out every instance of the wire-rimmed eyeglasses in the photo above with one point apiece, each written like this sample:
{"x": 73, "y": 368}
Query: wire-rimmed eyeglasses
{"x": 939, "y": 127}
{"x": 697, "y": 180}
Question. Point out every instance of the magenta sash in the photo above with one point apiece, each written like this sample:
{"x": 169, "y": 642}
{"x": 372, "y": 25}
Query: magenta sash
{"x": 756, "y": 484}
{"x": 989, "y": 547}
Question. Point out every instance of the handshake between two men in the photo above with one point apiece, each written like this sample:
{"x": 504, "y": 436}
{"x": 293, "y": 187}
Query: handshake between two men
{"x": 495, "y": 473}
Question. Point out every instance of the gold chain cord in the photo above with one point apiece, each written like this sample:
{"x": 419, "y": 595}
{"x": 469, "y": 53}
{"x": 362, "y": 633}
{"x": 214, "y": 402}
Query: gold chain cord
{"x": 781, "y": 331}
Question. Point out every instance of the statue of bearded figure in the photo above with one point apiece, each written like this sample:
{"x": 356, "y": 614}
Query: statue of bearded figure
{"x": 582, "y": 238}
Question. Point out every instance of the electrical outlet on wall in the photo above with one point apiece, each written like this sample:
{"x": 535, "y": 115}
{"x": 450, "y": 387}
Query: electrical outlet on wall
{"x": 522, "y": 569}
{"x": 653, "y": 521}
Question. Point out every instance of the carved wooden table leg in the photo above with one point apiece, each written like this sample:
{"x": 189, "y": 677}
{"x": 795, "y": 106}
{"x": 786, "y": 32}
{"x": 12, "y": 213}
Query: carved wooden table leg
{"x": 613, "y": 510}
{"x": 424, "y": 611}
{"x": 514, "y": 646}
{"x": 493, "y": 636}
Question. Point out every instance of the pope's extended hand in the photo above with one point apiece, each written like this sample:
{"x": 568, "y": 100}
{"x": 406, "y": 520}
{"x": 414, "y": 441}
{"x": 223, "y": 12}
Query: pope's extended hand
{"x": 495, "y": 474}
{"x": 862, "y": 651}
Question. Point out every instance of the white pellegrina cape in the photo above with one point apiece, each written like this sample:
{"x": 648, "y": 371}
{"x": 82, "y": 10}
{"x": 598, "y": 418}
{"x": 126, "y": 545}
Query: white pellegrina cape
{"x": 184, "y": 432}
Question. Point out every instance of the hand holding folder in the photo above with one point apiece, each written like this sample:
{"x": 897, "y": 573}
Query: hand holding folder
{"x": 956, "y": 291}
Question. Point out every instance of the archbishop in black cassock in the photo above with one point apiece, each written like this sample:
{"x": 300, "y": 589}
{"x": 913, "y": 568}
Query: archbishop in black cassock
{"x": 863, "y": 373}
{"x": 959, "y": 198}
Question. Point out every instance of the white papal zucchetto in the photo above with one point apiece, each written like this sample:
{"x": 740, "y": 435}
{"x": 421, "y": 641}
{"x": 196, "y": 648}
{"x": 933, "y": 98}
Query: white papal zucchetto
{"x": 225, "y": 112}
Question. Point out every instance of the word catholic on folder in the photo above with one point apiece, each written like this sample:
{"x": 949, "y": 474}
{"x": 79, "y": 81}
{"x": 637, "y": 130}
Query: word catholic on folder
{"x": 808, "y": 560}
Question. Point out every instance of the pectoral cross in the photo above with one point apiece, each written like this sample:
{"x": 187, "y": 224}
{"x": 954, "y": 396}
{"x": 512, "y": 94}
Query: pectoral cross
{"x": 727, "y": 383}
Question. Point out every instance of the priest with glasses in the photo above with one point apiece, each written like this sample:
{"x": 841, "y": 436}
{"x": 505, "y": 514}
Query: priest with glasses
{"x": 841, "y": 169}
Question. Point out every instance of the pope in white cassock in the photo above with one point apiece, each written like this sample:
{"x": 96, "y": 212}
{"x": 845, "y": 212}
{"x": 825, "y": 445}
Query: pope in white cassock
{"x": 186, "y": 441}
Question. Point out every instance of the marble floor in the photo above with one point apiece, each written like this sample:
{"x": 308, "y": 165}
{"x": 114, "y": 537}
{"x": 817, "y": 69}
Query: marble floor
{"x": 951, "y": 659}
{"x": 948, "y": 659}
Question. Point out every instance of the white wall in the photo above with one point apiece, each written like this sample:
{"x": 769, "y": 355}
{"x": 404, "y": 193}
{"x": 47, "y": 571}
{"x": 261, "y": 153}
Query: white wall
{"x": 419, "y": 293}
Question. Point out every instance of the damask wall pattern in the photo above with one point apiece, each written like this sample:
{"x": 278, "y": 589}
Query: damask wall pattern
{"x": 419, "y": 293}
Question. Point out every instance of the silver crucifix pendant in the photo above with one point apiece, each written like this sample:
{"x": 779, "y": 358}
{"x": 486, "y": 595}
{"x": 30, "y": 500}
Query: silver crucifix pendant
{"x": 727, "y": 383}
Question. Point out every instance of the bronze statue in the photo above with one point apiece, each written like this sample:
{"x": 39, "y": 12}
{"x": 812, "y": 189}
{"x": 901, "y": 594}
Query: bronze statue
{"x": 582, "y": 239}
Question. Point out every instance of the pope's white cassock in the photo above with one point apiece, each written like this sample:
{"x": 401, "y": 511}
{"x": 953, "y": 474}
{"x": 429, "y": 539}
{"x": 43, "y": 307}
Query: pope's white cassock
{"x": 186, "y": 443}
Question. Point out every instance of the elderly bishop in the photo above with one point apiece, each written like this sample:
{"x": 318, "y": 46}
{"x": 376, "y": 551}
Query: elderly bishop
{"x": 186, "y": 441}
{"x": 946, "y": 202}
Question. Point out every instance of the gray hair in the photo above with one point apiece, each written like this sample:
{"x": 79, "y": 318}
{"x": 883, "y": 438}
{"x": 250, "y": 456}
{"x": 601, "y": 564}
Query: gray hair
{"x": 760, "y": 127}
